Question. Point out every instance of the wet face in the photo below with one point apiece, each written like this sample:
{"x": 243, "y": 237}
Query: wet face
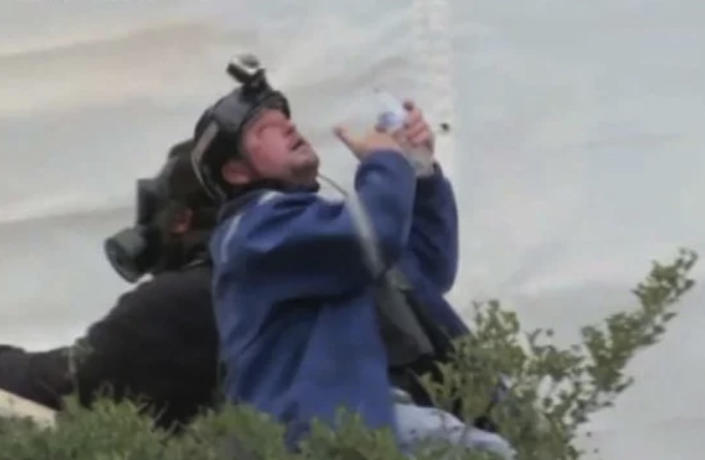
{"x": 275, "y": 150}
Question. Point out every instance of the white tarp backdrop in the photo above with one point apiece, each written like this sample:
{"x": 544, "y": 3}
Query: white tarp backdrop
{"x": 577, "y": 151}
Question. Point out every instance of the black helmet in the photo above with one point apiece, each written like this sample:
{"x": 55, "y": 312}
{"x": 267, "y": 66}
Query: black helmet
{"x": 218, "y": 131}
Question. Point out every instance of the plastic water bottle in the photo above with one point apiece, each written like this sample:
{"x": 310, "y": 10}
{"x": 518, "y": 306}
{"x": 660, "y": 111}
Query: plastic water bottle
{"x": 391, "y": 118}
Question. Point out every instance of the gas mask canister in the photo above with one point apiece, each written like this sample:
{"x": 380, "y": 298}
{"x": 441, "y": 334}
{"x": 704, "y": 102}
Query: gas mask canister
{"x": 134, "y": 251}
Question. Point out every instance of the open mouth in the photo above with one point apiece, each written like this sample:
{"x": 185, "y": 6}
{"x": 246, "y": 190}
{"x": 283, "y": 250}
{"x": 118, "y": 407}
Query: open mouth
{"x": 299, "y": 143}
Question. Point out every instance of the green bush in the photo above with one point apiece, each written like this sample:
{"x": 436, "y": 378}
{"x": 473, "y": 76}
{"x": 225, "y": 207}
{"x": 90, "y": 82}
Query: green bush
{"x": 552, "y": 393}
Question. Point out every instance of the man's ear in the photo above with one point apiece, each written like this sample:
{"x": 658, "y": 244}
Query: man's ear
{"x": 181, "y": 222}
{"x": 236, "y": 172}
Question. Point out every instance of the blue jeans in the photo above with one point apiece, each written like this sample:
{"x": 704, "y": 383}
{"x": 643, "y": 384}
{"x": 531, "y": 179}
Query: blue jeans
{"x": 416, "y": 424}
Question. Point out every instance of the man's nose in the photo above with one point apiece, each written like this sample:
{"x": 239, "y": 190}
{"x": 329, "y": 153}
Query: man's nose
{"x": 290, "y": 126}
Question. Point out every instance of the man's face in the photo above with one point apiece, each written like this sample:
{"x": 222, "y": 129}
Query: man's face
{"x": 276, "y": 150}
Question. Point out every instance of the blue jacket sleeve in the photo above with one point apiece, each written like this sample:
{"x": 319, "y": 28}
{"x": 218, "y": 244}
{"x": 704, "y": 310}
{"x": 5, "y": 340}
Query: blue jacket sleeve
{"x": 433, "y": 241}
{"x": 302, "y": 245}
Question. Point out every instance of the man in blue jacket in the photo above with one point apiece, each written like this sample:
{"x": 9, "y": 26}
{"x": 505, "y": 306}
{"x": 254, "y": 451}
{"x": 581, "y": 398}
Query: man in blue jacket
{"x": 306, "y": 289}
